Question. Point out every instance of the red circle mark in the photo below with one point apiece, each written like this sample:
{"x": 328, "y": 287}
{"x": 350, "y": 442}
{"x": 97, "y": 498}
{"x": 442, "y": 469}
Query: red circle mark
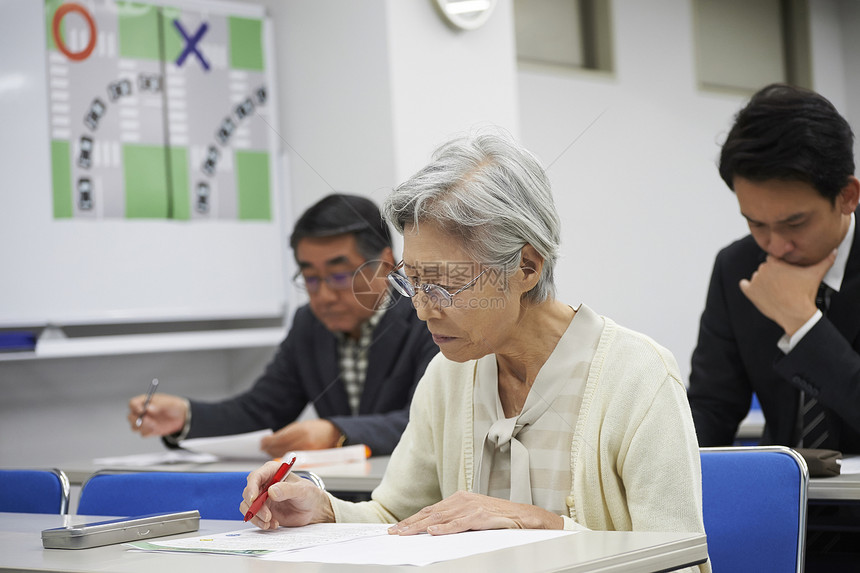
{"x": 58, "y": 40}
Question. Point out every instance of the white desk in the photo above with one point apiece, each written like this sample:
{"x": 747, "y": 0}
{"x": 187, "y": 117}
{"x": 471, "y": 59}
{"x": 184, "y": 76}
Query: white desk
{"x": 844, "y": 487}
{"x": 630, "y": 552}
{"x": 751, "y": 427}
{"x": 354, "y": 477}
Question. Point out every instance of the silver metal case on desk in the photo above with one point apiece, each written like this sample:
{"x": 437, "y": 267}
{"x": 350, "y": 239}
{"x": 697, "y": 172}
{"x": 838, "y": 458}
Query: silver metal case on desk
{"x": 120, "y": 530}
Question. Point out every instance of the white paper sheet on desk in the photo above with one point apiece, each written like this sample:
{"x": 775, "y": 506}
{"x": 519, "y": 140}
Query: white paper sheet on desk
{"x": 850, "y": 465}
{"x": 247, "y": 447}
{"x": 235, "y": 447}
{"x": 255, "y": 542}
{"x": 416, "y": 549}
{"x": 159, "y": 458}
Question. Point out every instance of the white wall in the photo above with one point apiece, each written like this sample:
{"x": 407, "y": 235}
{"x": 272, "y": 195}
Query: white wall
{"x": 643, "y": 207}
{"x": 335, "y": 97}
{"x": 828, "y": 69}
{"x": 447, "y": 81}
{"x": 849, "y": 20}
{"x": 73, "y": 409}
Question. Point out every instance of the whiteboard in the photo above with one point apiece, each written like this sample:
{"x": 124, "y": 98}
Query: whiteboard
{"x": 110, "y": 256}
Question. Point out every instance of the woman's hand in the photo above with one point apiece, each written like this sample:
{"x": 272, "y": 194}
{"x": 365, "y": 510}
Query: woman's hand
{"x": 293, "y": 502}
{"x": 466, "y": 511}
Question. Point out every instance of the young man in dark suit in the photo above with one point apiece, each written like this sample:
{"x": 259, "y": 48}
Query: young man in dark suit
{"x": 782, "y": 317}
{"x": 789, "y": 159}
{"x": 356, "y": 351}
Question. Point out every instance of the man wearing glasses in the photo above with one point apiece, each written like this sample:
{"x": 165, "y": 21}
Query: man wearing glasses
{"x": 355, "y": 351}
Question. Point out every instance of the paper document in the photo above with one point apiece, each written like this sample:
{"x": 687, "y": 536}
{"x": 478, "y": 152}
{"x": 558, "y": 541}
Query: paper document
{"x": 254, "y": 541}
{"x": 235, "y": 447}
{"x": 357, "y": 543}
{"x": 850, "y": 465}
{"x": 330, "y": 456}
{"x": 239, "y": 447}
{"x": 247, "y": 447}
{"x": 158, "y": 458}
{"x": 417, "y": 549}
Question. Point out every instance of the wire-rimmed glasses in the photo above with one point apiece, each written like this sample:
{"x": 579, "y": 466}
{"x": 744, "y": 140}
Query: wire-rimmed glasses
{"x": 437, "y": 294}
{"x": 335, "y": 281}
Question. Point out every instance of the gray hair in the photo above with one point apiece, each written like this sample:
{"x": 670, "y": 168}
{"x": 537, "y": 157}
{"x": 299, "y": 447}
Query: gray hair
{"x": 493, "y": 196}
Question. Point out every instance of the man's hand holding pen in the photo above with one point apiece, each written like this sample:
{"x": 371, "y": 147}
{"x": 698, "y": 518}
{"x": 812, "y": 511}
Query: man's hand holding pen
{"x": 164, "y": 415}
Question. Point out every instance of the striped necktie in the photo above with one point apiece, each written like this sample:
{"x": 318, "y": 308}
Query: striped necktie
{"x": 814, "y": 433}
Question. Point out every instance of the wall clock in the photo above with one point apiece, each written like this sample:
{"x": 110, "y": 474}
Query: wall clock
{"x": 466, "y": 14}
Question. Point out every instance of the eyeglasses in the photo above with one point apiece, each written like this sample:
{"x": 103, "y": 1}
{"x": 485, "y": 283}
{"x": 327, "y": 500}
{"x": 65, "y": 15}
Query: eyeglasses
{"x": 335, "y": 281}
{"x": 437, "y": 294}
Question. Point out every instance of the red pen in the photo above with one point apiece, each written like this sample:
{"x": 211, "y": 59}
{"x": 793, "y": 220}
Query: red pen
{"x": 280, "y": 475}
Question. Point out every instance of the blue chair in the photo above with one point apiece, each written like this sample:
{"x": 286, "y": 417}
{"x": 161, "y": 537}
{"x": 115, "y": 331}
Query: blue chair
{"x": 216, "y": 495}
{"x": 754, "y": 503}
{"x": 34, "y": 491}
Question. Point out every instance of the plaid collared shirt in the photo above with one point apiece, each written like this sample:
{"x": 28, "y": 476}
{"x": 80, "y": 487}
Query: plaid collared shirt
{"x": 353, "y": 357}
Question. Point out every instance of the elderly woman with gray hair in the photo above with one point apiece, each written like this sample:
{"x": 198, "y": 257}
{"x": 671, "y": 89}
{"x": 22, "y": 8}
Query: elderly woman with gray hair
{"x": 535, "y": 414}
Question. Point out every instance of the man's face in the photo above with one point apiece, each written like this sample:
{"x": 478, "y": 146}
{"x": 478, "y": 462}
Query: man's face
{"x": 791, "y": 221}
{"x": 337, "y": 259}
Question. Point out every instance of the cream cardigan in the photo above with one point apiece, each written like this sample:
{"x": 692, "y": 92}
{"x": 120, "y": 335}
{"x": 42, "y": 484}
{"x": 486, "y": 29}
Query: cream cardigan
{"x": 634, "y": 455}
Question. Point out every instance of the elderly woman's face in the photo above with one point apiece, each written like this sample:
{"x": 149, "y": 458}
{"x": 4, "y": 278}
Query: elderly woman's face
{"x": 481, "y": 318}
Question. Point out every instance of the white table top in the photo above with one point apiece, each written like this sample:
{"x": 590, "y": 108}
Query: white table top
{"x": 752, "y": 426}
{"x": 364, "y": 477}
{"x": 360, "y": 477}
{"x": 844, "y": 487}
{"x": 21, "y": 549}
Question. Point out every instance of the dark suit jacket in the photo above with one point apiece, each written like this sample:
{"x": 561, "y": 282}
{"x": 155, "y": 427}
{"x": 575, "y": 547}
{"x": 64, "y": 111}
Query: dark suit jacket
{"x": 737, "y": 355}
{"x": 305, "y": 369}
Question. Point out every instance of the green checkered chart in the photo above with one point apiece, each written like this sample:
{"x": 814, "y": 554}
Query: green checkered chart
{"x": 157, "y": 112}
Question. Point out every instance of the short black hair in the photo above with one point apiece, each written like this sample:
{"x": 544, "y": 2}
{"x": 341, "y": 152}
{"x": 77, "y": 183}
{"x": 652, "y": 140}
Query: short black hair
{"x": 792, "y": 134}
{"x": 341, "y": 214}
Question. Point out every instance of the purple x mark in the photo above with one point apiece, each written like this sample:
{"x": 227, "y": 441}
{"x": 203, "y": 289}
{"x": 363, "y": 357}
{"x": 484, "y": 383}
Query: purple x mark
{"x": 191, "y": 44}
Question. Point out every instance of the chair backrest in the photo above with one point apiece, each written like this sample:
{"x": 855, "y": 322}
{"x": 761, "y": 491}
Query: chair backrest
{"x": 754, "y": 503}
{"x": 34, "y": 491}
{"x": 216, "y": 495}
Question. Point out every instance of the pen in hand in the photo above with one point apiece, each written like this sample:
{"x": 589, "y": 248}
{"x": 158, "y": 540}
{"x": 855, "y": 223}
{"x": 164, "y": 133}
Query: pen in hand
{"x": 149, "y": 394}
{"x": 280, "y": 475}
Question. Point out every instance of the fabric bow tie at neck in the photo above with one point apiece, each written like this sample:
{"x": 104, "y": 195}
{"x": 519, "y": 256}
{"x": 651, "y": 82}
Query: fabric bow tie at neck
{"x": 501, "y": 439}
{"x": 502, "y": 432}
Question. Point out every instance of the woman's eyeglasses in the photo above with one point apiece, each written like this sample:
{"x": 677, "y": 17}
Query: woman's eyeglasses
{"x": 436, "y": 293}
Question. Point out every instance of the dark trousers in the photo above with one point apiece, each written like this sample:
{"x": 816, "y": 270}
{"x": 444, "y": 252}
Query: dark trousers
{"x": 833, "y": 537}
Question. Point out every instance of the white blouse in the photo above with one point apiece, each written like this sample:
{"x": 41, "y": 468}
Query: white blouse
{"x": 526, "y": 458}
